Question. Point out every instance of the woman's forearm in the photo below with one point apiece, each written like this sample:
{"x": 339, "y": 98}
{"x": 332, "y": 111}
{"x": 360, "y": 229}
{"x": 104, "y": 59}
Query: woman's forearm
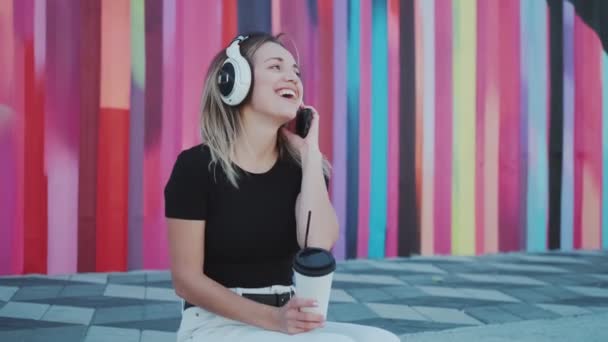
{"x": 210, "y": 295}
{"x": 315, "y": 197}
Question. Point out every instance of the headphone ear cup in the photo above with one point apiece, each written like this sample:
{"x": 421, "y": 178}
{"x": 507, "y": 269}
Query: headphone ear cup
{"x": 226, "y": 78}
{"x": 234, "y": 80}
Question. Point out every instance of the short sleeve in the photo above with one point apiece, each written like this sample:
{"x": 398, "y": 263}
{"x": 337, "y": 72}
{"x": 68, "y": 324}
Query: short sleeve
{"x": 187, "y": 188}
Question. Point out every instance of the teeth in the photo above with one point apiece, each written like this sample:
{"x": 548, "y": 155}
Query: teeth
{"x": 284, "y": 92}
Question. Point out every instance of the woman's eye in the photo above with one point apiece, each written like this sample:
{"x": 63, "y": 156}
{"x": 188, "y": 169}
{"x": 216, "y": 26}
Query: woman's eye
{"x": 278, "y": 67}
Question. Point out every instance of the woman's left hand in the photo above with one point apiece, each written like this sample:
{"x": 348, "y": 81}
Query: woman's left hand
{"x": 311, "y": 141}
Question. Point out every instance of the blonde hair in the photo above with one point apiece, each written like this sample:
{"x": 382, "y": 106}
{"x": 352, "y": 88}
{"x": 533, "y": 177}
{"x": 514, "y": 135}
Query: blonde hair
{"x": 221, "y": 124}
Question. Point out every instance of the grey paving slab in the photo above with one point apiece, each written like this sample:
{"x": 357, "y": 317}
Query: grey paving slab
{"x": 347, "y": 312}
{"x": 527, "y": 311}
{"x": 127, "y": 278}
{"x": 168, "y": 325}
{"x": 395, "y": 311}
{"x": 112, "y": 334}
{"x": 118, "y": 314}
{"x": 552, "y": 259}
{"x": 164, "y": 294}
{"x": 157, "y": 336}
{"x": 7, "y": 323}
{"x": 92, "y": 301}
{"x": 63, "y": 334}
{"x": 446, "y": 315}
{"x": 565, "y": 310}
{"x": 68, "y": 314}
{"x": 23, "y": 310}
{"x": 401, "y": 292}
{"x": 83, "y": 290}
{"x": 125, "y": 291}
{"x": 491, "y": 314}
{"x": 162, "y": 311}
{"x": 96, "y": 278}
{"x": 589, "y": 291}
{"x": 37, "y": 292}
{"x": 7, "y": 292}
{"x": 366, "y": 278}
{"x": 338, "y": 295}
{"x": 501, "y": 279}
{"x": 158, "y": 276}
{"x": 527, "y": 268}
{"x": 528, "y": 295}
{"x": 407, "y": 267}
{"x": 369, "y": 295}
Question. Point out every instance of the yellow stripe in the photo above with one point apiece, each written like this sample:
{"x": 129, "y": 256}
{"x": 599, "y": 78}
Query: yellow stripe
{"x": 463, "y": 185}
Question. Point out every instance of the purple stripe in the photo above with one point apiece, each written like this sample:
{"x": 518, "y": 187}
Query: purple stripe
{"x": 339, "y": 124}
{"x": 136, "y": 162}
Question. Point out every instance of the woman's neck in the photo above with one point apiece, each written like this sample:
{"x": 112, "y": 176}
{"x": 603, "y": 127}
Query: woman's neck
{"x": 256, "y": 147}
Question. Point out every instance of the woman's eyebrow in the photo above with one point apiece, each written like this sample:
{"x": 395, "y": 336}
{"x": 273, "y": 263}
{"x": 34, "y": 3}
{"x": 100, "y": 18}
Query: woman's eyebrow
{"x": 280, "y": 59}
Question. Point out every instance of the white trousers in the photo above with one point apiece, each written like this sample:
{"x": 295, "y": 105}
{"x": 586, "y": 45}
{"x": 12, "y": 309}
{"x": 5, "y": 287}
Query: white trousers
{"x": 199, "y": 325}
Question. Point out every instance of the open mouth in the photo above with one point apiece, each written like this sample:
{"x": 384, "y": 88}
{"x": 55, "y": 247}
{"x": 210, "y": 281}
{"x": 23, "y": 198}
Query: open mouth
{"x": 287, "y": 93}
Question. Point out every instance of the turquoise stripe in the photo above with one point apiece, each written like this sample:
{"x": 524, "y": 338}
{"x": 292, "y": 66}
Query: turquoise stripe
{"x": 534, "y": 31}
{"x": 567, "y": 204}
{"x": 605, "y": 151}
{"x": 379, "y": 129}
{"x": 353, "y": 80}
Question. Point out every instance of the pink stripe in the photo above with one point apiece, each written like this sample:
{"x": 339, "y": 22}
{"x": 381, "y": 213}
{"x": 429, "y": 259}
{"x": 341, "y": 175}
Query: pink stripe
{"x": 197, "y": 17}
{"x": 509, "y": 181}
{"x": 422, "y": 177}
{"x": 443, "y": 126}
{"x": 62, "y": 136}
{"x": 393, "y": 129}
{"x": 364, "y": 130}
{"x": 588, "y": 104}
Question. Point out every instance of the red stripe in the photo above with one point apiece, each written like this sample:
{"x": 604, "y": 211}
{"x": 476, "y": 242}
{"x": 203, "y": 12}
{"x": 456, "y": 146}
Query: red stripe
{"x": 229, "y": 21}
{"x": 579, "y": 130}
{"x": 112, "y": 187}
{"x": 90, "y": 57}
{"x": 443, "y": 127}
{"x": 509, "y": 161}
{"x": 35, "y": 187}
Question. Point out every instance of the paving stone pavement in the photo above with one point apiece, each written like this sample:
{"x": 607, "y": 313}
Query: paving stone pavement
{"x": 404, "y": 295}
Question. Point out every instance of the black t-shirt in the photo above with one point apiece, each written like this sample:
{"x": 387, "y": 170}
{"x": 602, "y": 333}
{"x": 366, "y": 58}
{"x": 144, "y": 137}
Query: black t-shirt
{"x": 250, "y": 232}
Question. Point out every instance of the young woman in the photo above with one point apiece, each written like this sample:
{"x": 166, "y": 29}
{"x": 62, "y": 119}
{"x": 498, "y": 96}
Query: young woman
{"x": 236, "y": 204}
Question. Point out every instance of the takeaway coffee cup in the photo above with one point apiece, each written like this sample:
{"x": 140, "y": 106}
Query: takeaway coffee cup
{"x": 313, "y": 272}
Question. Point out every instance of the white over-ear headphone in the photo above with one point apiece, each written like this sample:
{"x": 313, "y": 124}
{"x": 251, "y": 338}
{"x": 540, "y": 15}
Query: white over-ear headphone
{"x": 234, "y": 78}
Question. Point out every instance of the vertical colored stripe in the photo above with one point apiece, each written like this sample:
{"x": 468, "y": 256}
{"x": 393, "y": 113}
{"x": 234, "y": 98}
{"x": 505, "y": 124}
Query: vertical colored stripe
{"x": 482, "y": 51}
{"x": 364, "y": 130}
{"x": 229, "y": 20}
{"x": 275, "y": 16}
{"x": 353, "y": 83}
{"x": 154, "y": 219}
{"x": 113, "y": 138}
{"x": 252, "y": 15}
{"x": 62, "y": 135}
{"x": 567, "y": 202}
{"x": 34, "y": 240}
{"x": 556, "y": 120}
{"x": 409, "y": 228}
{"x": 604, "y": 233}
{"x": 324, "y": 40}
{"x": 463, "y": 186}
{"x": 509, "y": 145}
{"x": 90, "y": 60}
{"x": 418, "y": 112}
{"x": 340, "y": 126}
{"x": 590, "y": 79}
{"x": 534, "y": 53}
{"x": 379, "y": 129}
{"x": 136, "y": 131}
{"x": 428, "y": 145}
{"x": 393, "y": 129}
{"x": 443, "y": 127}
{"x": 10, "y": 88}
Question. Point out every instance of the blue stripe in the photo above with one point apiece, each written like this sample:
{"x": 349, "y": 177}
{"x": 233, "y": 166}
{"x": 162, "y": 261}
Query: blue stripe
{"x": 254, "y": 16}
{"x": 567, "y": 203}
{"x": 379, "y": 130}
{"x": 534, "y": 20}
{"x": 353, "y": 85}
{"x": 605, "y": 151}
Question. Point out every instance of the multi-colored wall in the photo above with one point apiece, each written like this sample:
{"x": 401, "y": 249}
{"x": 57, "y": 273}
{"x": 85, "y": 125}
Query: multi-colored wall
{"x": 454, "y": 126}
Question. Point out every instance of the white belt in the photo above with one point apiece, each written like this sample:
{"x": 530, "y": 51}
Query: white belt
{"x": 274, "y": 289}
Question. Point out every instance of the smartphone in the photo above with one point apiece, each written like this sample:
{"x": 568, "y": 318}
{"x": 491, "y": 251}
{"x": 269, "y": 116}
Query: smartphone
{"x": 303, "y": 121}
